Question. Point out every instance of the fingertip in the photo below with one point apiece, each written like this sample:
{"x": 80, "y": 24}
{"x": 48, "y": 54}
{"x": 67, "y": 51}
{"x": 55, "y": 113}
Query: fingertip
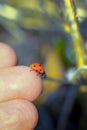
{"x": 8, "y": 56}
{"x": 22, "y": 83}
{"x": 33, "y": 115}
{"x": 18, "y": 115}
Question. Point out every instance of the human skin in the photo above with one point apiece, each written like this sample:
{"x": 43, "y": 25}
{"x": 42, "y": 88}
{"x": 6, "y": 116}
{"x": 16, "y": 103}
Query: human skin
{"x": 19, "y": 86}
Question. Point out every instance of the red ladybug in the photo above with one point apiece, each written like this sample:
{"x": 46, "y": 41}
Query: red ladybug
{"x": 39, "y": 68}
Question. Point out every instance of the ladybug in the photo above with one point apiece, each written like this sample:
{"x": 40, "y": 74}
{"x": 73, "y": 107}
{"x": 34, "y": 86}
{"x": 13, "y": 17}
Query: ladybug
{"x": 38, "y": 68}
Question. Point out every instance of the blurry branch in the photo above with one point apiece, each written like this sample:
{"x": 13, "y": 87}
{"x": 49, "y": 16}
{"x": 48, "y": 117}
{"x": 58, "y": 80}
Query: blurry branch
{"x": 77, "y": 39}
{"x": 67, "y": 107}
{"x": 70, "y": 98}
{"x": 12, "y": 19}
{"x": 77, "y": 77}
{"x": 43, "y": 16}
{"x": 50, "y": 17}
{"x": 8, "y": 19}
{"x": 22, "y": 15}
{"x": 56, "y": 80}
{"x": 14, "y": 30}
{"x": 8, "y": 12}
{"x": 78, "y": 73}
{"x": 67, "y": 90}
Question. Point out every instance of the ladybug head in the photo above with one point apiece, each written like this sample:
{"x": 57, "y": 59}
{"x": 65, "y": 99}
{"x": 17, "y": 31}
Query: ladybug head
{"x": 44, "y": 76}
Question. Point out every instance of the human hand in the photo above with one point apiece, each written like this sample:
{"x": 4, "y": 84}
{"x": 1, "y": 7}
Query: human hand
{"x": 18, "y": 87}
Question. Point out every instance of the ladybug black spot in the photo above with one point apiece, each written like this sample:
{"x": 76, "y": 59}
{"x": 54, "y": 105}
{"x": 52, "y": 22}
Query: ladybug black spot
{"x": 34, "y": 65}
{"x": 40, "y": 69}
{"x": 40, "y": 65}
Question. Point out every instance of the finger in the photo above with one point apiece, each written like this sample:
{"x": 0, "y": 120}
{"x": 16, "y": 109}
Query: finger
{"x": 19, "y": 83}
{"x": 7, "y": 56}
{"x": 18, "y": 115}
